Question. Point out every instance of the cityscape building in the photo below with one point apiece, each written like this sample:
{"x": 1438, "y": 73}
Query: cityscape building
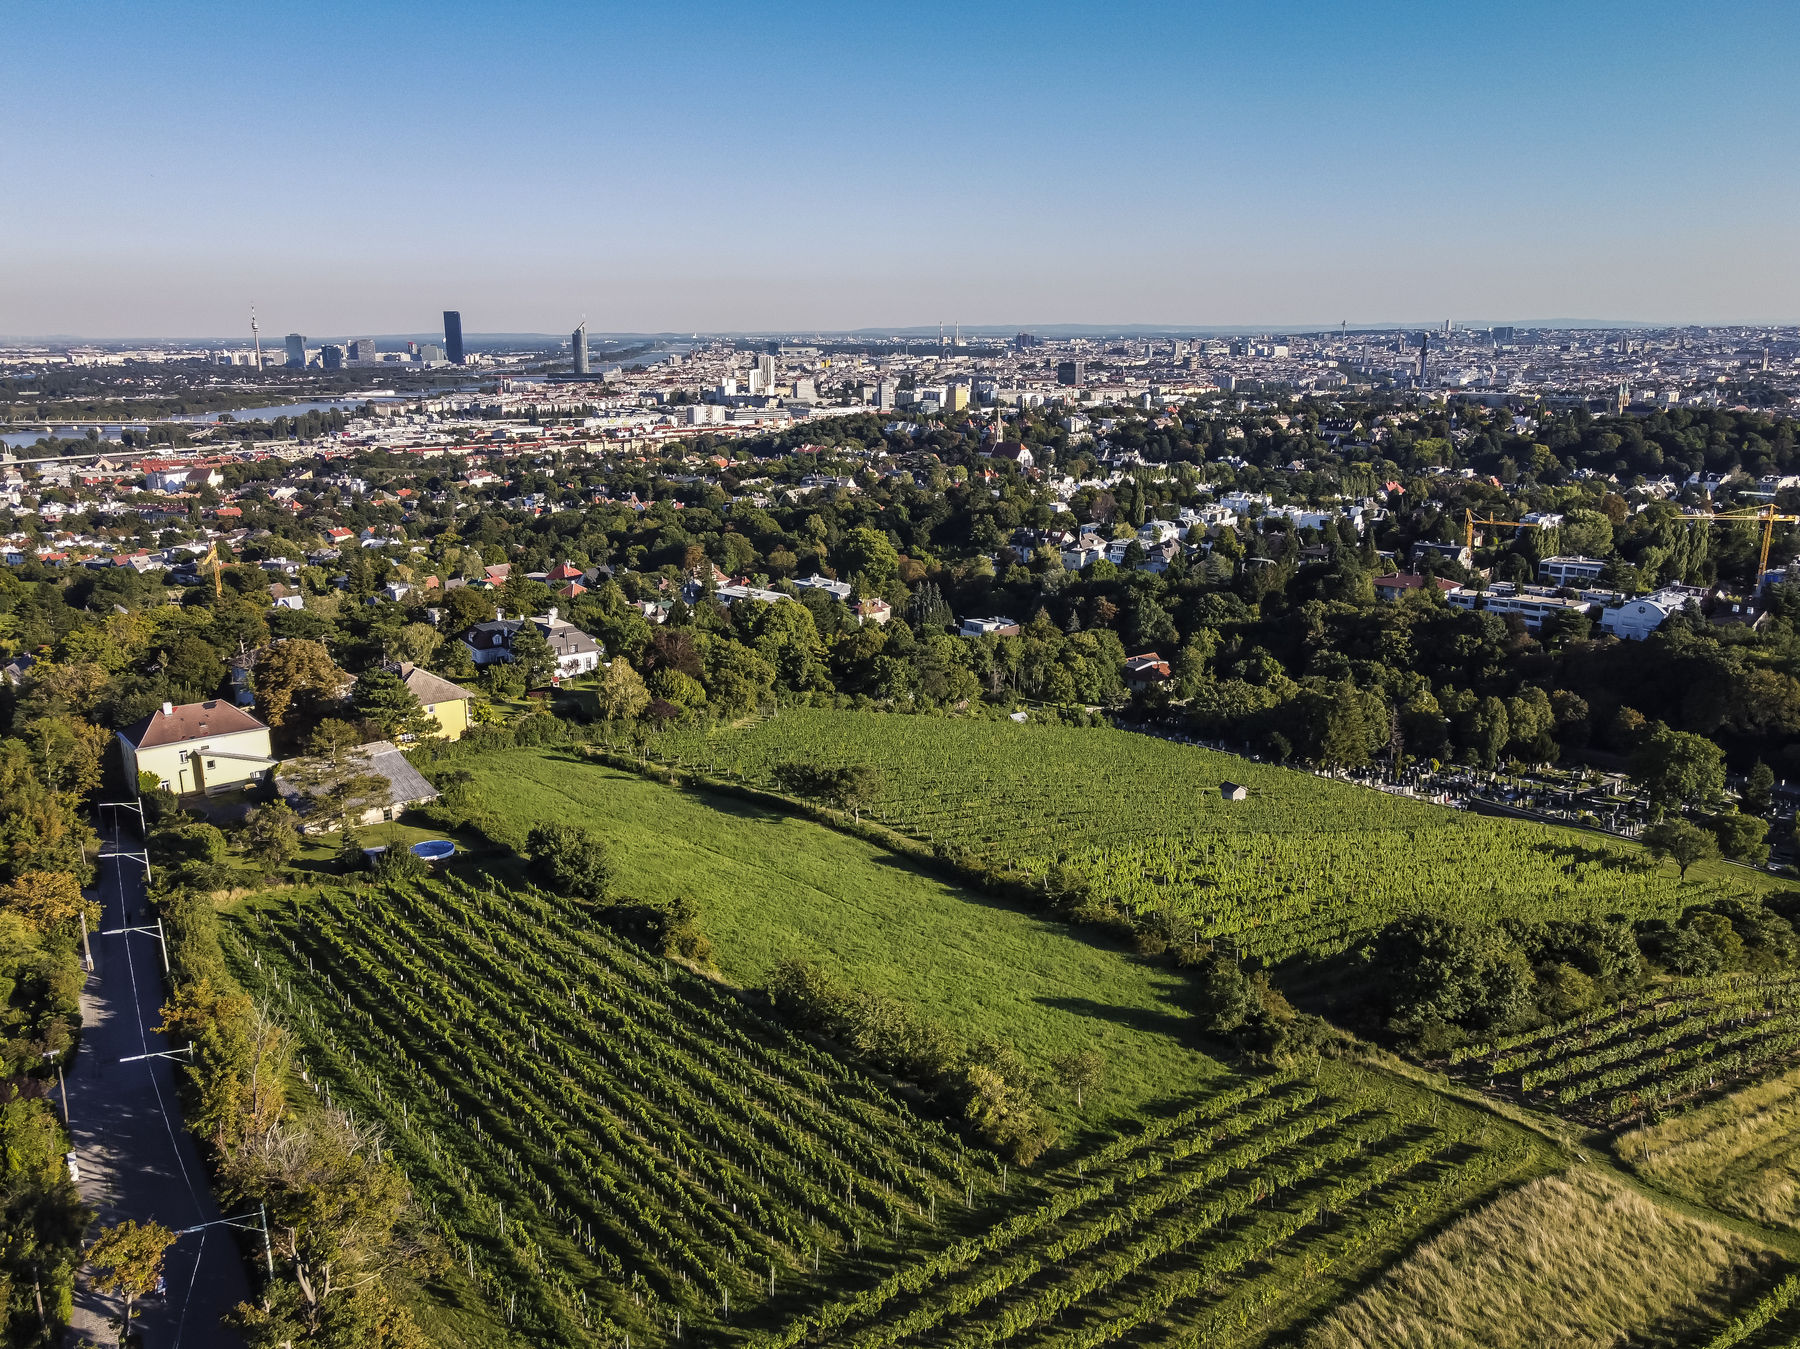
{"x": 296, "y": 352}
{"x": 453, "y": 338}
{"x": 578, "y": 342}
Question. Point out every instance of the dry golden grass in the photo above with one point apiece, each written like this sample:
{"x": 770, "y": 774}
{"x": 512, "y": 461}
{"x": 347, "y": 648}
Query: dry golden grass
{"x": 1740, "y": 1153}
{"x": 1570, "y": 1260}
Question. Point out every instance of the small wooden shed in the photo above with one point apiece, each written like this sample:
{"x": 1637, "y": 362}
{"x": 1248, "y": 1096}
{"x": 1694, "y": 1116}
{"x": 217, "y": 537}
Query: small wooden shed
{"x": 1233, "y": 791}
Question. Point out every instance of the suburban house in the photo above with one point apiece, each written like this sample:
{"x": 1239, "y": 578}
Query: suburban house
{"x": 451, "y": 704}
{"x": 575, "y": 652}
{"x": 989, "y": 627}
{"x": 1393, "y": 587}
{"x": 198, "y": 747}
{"x": 1147, "y": 671}
{"x": 403, "y": 786}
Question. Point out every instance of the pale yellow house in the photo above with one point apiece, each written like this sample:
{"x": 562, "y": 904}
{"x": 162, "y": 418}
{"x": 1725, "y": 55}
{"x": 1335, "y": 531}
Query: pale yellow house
{"x": 198, "y": 747}
{"x": 451, "y": 704}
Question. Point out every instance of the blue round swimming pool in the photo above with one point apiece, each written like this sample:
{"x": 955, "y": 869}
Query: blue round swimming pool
{"x": 434, "y": 849}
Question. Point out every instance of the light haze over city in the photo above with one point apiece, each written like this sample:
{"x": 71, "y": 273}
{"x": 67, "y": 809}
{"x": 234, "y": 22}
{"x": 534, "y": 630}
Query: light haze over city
{"x": 731, "y": 168}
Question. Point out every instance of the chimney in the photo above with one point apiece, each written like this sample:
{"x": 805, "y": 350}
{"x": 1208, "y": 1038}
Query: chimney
{"x": 168, "y": 709}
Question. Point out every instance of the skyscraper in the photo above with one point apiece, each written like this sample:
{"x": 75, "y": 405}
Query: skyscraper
{"x": 1424, "y": 346}
{"x": 331, "y": 357}
{"x": 296, "y": 352}
{"x": 453, "y": 347}
{"x": 765, "y": 365}
{"x": 1071, "y": 373}
{"x": 578, "y": 340}
{"x": 362, "y": 351}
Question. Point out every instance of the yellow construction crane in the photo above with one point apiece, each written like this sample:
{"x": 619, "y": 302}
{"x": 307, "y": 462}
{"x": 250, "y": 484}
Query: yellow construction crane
{"x": 212, "y": 557}
{"x": 1765, "y": 515}
{"x": 1769, "y": 519}
{"x": 1470, "y": 520}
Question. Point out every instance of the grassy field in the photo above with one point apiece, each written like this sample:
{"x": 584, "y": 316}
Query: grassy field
{"x": 1329, "y": 1205}
{"x": 1575, "y": 1260}
{"x": 770, "y": 886}
{"x": 1303, "y": 865}
{"x": 654, "y": 1145}
{"x": 1740, "y": 1153}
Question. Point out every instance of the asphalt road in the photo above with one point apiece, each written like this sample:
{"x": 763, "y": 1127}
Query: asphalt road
{"x": 136, "y": 1160}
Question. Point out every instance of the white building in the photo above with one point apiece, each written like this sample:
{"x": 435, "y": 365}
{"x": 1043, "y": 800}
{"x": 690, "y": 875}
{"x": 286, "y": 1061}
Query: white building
{"x": 1635, "y": 620}
{"x": 1570, "y": 571}
{"x": 1532, "y": 604}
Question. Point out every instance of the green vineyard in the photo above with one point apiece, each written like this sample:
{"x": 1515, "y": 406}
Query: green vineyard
{"x": 1648, "y": 1055}
{"x": 608, "y": 1144}
{"x": 1303, "y": 865}
{"x": 613, "y": 1150}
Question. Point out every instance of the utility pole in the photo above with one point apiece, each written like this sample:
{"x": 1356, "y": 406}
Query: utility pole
{"x": 156, "y": 932}
{"x": 52, "y": 1056}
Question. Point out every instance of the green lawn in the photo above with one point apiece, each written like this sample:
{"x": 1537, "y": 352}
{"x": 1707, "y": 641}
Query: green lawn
{"x": 771, "y": 886}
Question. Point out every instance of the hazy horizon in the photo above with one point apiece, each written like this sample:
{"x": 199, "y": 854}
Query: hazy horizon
{"x": 701, "y": 167}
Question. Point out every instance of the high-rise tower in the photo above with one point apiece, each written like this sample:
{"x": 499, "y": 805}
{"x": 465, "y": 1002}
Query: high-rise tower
{"x": 578, "y": 341}
{"x": 296, "y": 351}
{"x": 453, "y": 344}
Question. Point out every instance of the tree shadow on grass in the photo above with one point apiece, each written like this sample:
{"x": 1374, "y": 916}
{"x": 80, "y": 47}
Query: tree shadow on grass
{"x": 1171, "y": 1020}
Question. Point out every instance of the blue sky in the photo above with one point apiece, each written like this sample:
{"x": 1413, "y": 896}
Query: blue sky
{"x": 359, "y": 167}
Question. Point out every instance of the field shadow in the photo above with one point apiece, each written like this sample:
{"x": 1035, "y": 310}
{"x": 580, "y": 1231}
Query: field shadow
{"x": 1173, "y": 1021}
{"x": 1570, "y": 855}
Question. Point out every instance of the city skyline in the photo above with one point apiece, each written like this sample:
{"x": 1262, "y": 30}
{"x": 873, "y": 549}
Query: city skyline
{"x": 1152, "y": 166}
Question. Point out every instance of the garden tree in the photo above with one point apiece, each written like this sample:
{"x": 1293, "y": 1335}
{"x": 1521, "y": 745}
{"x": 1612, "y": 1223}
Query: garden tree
{"x": 869, "y": 554}
{"x": 1429, "y": 970}
{"x": 853, "y": 787}
{"x": 674, "y": 687}
{"x": 621, "y": 694}
{"x": 1000, "y": 1101}
{"x": 335, "y": 778}
{"x": 344, "y": 1226}
{"x": 464, "y": 607}
{"x": 1676, "y": 767}
{"x": 927, "y": 608}
{"x": 45, "y": 899}
{"x": 271, "y": 835}
{"x": 41, "y": 827}
{"x": 571, "y": 860}
{"x": 44, "y": 1220}
{"x": 1080, "y": 1073}
{"x": 532, "y": 658}
{"x": 1740, "y": 836}
{"x": 293, "y": 679}
{"x": 416, "y": 643}
{"x": 1758, "y": 795}
{"x": 1564, "y": 991}
{"x": 381, "y": 697}
{"x": 240, "y": 1064}
{"x": 70, "y": 752}
{"x": 1223, "y": 999}
{"x": 127, "y": 1259}
{"x": 1682, "y": 843}
{"x": 193, "y": 670}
